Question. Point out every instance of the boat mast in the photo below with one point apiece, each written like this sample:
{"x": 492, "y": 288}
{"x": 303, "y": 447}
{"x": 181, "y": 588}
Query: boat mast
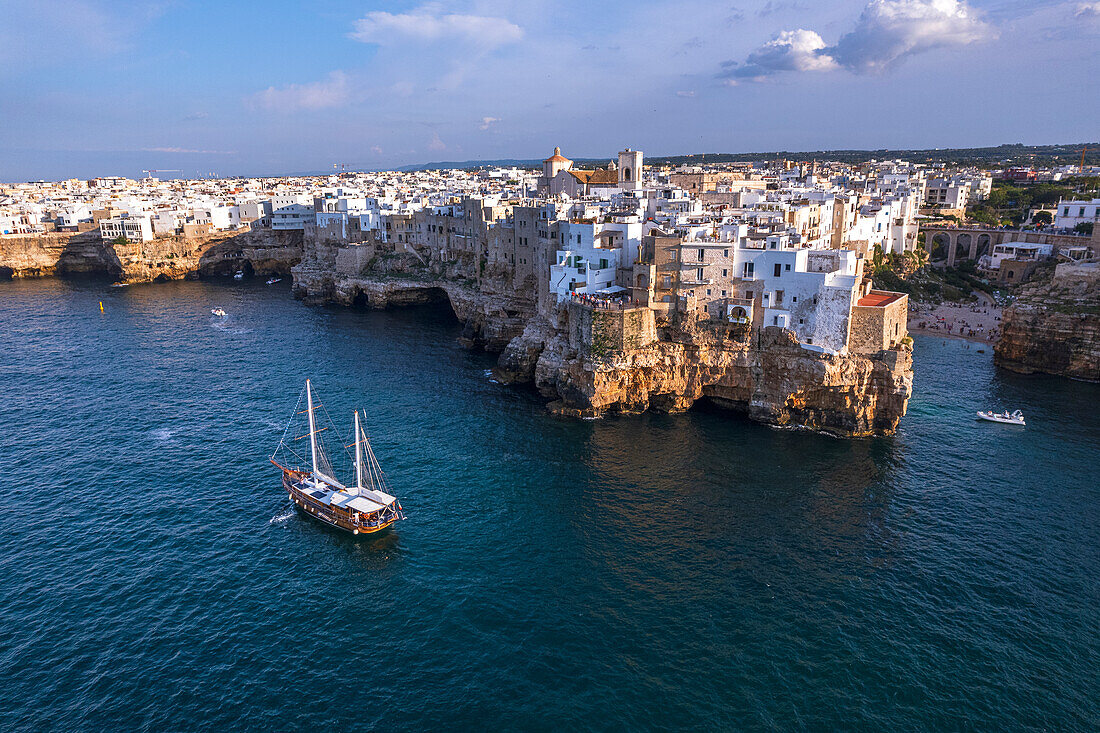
{"x": 358, "y": 455}
{"x": 312, "y": 428}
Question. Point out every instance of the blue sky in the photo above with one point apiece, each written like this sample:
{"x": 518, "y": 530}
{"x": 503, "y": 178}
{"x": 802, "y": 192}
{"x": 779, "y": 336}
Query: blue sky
{"x": 110, "y": 88}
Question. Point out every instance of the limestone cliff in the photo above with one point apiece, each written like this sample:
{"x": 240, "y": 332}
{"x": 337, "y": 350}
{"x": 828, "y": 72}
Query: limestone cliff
{"x": 588, "y": 362}
{"x": 491, "y": 312}
{"x": 163, "y": 258}
{"x": 773, "y": 379}
{"x": 1054, "y": 326}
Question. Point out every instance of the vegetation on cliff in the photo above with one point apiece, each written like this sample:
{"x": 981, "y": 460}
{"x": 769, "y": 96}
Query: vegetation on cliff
{"x": 912, "y": 274}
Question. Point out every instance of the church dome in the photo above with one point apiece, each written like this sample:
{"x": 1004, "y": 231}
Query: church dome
{"x": 557, "y": 157}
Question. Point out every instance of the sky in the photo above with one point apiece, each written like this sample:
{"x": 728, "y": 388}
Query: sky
{"x": 115, "y": 87}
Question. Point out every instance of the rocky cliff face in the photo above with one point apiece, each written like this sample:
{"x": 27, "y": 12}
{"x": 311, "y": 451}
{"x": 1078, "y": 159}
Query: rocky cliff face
{"x": 775, "y": 380}
{"x": 164, "y": 258}
{"x": 491, "y": 316}
{"x": 1054, "y": 327}
{"x": 590, "y": 362}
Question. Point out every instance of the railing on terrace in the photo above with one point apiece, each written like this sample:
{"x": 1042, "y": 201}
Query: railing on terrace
{"x": 608, "y": 304}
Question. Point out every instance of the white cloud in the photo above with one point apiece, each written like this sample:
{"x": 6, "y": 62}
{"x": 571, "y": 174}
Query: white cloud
{"x": 427, "y": 24}
{"x": 329, "y": 92}
{"x": 487, "y": 122}
{"x": 797, "y": 50}
{"x": 376, "y": 150}
{"x": 1087, "y": 10}
{"x": 890, "y": 30}
{"x": 436, "y": 144}
{"x": 887, "y": 32}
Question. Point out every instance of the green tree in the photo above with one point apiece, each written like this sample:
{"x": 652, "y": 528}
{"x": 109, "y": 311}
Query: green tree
{"x": 1043, "y": 218}
{"x": 879, "y": 263}
{"x": 1084, "y": 227}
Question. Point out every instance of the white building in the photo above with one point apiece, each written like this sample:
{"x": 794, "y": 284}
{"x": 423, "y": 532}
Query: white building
{"x": 133, "y": 228}
{"x": 1072, "y": 213}
{"x": 589, "y": 256}
{"x": 219, "y": 217}
{"x": 291, "y": 211}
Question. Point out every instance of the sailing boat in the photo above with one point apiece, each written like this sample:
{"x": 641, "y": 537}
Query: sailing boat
{"x": 365, "y": 508}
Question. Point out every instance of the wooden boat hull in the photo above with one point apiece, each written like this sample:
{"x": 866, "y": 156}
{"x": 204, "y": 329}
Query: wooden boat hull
{"x": 329, "y": 515}
{"x": 344, "y": 527}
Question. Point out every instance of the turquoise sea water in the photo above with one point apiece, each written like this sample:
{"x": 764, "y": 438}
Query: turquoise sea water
{"x": 692, "y": 571}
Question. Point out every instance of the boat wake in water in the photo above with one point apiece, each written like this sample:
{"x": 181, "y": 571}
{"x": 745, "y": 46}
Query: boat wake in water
{"x": 224, "y": 325}
{"x": 282, "y": 516}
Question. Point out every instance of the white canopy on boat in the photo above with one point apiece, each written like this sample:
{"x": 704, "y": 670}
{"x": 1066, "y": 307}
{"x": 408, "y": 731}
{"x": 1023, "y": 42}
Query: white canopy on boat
{"x": 380, "y": 497}
{"x": 361, "y": 504}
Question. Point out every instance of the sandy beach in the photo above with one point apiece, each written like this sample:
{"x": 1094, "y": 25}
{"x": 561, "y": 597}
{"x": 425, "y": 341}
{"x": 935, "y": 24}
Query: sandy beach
{"x": 976, "y": 322}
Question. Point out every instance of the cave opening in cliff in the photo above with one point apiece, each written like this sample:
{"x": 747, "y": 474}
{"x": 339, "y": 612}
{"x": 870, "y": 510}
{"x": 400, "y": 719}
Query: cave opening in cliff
{"x": 6, "y": 273}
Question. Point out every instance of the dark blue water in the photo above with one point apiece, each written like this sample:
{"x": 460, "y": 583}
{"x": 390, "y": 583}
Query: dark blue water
{"x": 689, "y": 571}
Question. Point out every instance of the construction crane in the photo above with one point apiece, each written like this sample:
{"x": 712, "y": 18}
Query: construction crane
{"x": 1081, "y": 168}
{"x": 161, "y": 170}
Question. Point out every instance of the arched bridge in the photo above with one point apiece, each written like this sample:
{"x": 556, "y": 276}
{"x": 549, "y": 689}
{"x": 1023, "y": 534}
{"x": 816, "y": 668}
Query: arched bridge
{"x": 970, "y": 243}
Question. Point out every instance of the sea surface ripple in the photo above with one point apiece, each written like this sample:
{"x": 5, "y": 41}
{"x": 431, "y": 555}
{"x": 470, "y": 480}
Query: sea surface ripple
{"x": 692, "y": 571}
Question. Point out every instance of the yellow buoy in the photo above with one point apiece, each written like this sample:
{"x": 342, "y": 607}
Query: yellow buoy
{"x": 101, "y": 306}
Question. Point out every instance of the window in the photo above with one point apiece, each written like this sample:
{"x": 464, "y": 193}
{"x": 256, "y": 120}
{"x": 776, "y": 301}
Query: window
{"x": 747, "y": 270}
{"x": 787, "y": 268}
{"x": 708, "y": 291}
{"x": 701, "y": 251}
{"x": 1082, "y": 211}
{"x": 801, "y": 321}
{"x": 724, "y": 272}
{"x": 725, "y": 253}
{"x": 778, "y": 269}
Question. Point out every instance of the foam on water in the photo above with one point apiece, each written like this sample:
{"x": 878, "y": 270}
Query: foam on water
{"x": 282, "y": 516}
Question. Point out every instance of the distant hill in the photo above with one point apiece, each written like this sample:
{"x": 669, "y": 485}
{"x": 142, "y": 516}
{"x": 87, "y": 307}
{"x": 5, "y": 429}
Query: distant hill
{"x": 999, "y": 156}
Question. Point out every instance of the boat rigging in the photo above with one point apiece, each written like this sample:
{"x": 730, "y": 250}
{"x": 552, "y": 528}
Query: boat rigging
{"x": 368, "y": 507}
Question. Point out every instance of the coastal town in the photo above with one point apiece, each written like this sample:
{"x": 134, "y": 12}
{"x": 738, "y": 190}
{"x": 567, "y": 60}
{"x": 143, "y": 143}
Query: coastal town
{"x": 665, "y": 283}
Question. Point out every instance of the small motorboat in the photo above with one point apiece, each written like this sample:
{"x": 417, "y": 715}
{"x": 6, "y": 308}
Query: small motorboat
{"x": 238, "y": 275}
{"x": 274, "y": 280}
{"x": 1016, "y": 418}
{"x": 219, "y": 312}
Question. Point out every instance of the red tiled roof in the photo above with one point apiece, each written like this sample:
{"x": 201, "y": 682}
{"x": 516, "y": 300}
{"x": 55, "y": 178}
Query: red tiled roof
{"x": 600, "y": 177}
{"x": 879, "y": 298}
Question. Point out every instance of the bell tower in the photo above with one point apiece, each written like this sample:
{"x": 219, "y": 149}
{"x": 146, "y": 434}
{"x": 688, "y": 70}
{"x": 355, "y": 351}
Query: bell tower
{"x": 630, "y": 169}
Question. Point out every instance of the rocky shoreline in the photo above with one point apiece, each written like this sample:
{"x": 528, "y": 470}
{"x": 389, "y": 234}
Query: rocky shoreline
{"x": 766, "y": 375}
{"x": 262, "y": 252}
{"x": 771, "y": 378}
{"x": 1054, "y": 326}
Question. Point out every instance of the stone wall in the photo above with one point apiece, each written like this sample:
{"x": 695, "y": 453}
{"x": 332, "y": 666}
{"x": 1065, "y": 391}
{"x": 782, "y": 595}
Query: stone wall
{"x": 597, "y": 332}
{"x": 875, "y": 328}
